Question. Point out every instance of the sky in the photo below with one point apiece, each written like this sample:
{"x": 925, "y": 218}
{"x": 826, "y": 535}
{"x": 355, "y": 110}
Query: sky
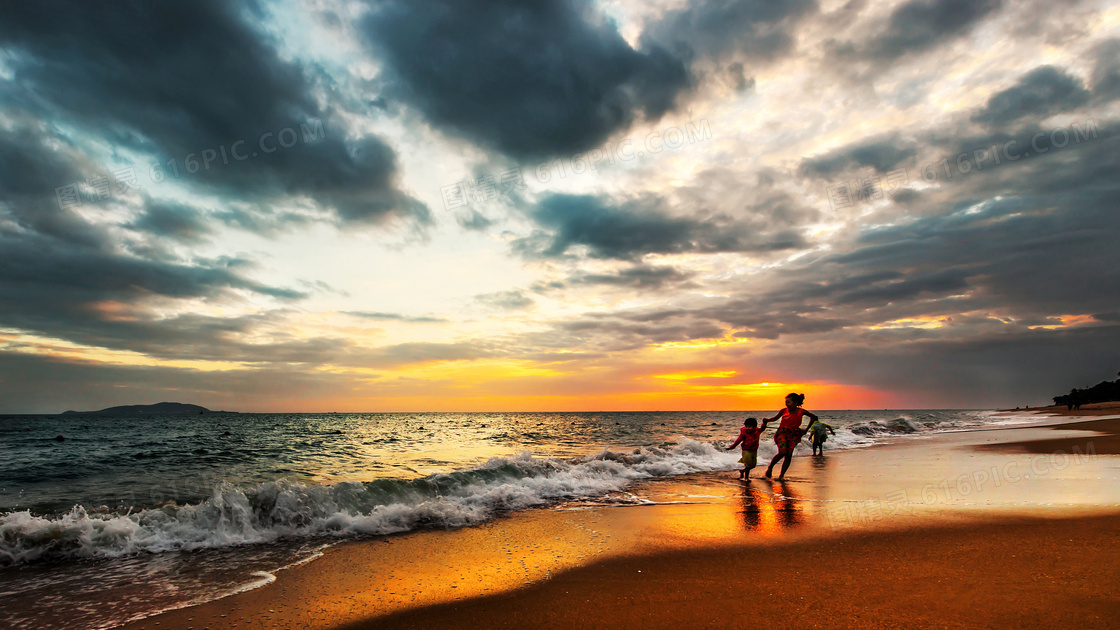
{"x": 436, "y": 205}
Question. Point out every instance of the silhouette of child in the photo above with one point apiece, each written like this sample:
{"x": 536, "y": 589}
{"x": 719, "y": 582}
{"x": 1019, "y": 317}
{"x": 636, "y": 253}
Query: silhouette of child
{"x": 818, "y": 434}
{"x": 748, "y": 437}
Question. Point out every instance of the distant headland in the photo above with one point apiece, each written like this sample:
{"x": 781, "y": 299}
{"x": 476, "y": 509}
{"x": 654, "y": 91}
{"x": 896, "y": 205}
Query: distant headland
{"x": 1105, "y": 391}
{"x": 162, "y": 409}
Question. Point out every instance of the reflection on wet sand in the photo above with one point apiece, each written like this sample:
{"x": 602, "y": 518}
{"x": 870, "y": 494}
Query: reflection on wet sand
{"x": 769, "y": 507}
{"x": 819, "y": 462}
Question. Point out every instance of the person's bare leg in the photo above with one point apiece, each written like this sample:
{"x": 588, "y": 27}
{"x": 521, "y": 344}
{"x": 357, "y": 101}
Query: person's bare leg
{"x": 770, "y": 469}
{"x": 785, "y": 465}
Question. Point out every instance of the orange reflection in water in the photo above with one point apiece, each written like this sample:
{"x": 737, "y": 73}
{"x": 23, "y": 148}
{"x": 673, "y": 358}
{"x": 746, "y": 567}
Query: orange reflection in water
{"x": 771, "y": 507}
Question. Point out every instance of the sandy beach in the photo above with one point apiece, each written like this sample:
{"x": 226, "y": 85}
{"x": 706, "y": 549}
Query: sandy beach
{"x": 993, "y": 528}
{"x": 998, "y": 574}
{"x": 1101, "y": 437}
{"x": 1093, "y": 409}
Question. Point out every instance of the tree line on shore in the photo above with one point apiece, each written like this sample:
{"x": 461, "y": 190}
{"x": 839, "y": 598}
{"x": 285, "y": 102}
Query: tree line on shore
{"x": 1105, "y": 391}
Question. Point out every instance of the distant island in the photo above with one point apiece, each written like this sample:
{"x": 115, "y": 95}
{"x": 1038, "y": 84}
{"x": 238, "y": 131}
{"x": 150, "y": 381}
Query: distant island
{"x": 162, "y": 409}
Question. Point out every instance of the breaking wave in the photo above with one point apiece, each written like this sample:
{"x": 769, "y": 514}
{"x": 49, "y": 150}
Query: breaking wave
{"x": 898, "y": 426}
{"x": 272, "y": 511}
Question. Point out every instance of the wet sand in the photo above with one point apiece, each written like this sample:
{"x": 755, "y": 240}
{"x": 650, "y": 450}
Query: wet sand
{"x": 1046, "y": 574}
{"x": 957, "y": 530}
{"x": 1094, "y": 409}
{"x": 1100, "y": 437}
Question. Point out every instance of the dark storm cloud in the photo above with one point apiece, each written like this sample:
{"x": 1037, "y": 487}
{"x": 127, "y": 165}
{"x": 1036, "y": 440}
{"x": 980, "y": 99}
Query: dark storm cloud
{"x": 922, "y": 24}
{"x": 994, "y": 370}
{"x": 918, "y": 26}
{"x": 42, "y": 278}
{"x": 97, "y": 298}
{"x": 992, "y": 253}
{"x": 881, "y": 153}
{"x": 1039, "y": 93}
{"x": 33, "y": 162}
{"x": 64, "y": 277}
{"x": 642, "y": 277}
{"x": 33, "y": 266}
{"x": 757, "y": 29}
{"x": 260, "y": 220}
{"x": 633, "y": 229}
{"x": 167, "y": 79}
{"x": 1031, "y": 236}
{"x": 1105, "y": 79}
{"x": 935, "y": 283}
{"x": 173, "y": 79}
{"x": 173, "y": 220}
{"x": 528, "y": 79}
{"x": 1005, "y": 237}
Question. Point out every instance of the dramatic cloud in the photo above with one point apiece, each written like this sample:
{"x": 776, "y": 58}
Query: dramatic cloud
{"x": 176, "y": 80}
{"x": 912, "y": 201}
{"x": 881, "y": 154}
{"x": 646, "y": 277}
{"x": 33, "y": 162}
{"x": 634, "y": 229}
{"x": 175, "y": 221}
{"x": 529, "y": 79}
{"x": 755, "y": 29}
{"x": 920, "y": 25}
{"x": 63, "y": 276}
{"x": 1106, "y": 70}
{"x": 1041, "y": 92}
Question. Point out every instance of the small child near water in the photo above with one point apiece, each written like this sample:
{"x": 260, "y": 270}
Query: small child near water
{"x": 748, "y": 437}
{"x": 818, "y": 432}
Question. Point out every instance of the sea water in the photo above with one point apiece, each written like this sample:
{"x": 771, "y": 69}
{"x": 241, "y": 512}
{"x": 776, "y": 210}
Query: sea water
{"x": 127, "y": 516}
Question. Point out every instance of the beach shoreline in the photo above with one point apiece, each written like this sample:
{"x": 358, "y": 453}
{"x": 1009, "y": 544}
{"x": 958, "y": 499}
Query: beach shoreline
{"x": 1101, "y": 437}
{"x": 922, "y": 577}
{"x": 697, "y": 559}
{"x": 1092, "y": 409}
{"x": 1046, "y": 572}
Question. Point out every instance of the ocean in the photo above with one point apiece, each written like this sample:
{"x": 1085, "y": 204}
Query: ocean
{"x": 128, "y": 516}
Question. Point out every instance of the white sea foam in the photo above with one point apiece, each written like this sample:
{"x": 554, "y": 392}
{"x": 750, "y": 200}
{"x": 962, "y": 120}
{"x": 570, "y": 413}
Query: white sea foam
{"x": 286, "y": 510}
{"x": 241, "y": 515}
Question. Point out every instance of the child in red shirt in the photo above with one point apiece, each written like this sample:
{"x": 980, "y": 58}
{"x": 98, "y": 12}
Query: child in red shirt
{"x": 748, "y": 437}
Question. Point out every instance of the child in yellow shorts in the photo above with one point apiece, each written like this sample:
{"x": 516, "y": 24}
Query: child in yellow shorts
{"x": 748, "y": 437}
